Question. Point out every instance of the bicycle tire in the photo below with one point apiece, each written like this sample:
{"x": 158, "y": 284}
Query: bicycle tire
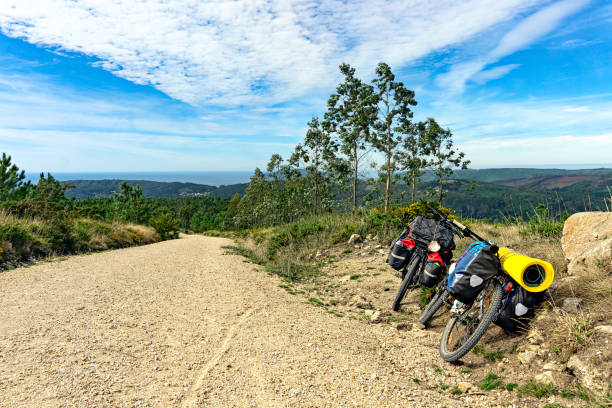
{"x": 480, "y": 330}
{"x": 414, "y": 264}
{"x": 432, "y": 307}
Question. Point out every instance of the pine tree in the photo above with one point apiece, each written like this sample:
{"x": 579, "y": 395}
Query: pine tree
{"x": 12, "y": 185}
{"x": 315, "y": 153}
{"x": 351, "y": 114}
{"x": 393, "y": 114}
{"x": 438, "y": 144}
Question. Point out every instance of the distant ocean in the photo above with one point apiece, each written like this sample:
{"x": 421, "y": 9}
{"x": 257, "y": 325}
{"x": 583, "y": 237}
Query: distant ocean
{"x": 213, "y": 178}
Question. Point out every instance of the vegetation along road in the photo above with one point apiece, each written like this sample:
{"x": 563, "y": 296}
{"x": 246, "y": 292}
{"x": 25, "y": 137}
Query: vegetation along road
{"x": 182, "y": 323}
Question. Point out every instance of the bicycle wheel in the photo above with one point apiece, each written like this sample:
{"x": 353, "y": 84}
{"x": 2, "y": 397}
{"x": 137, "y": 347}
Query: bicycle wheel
{"x": 408, "y": 278}
{"x": 434, "y": 304}
{"x": 465, "y": 329}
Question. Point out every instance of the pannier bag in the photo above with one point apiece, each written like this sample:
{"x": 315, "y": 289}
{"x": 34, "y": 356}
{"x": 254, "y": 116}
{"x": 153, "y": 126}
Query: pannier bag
{"x": 519, "y": 309}
{"x": 400, "y": 251}
{"x": 431, "y": 273}
{"x": 430, "y": 229}
{"x": 472, "y": 270}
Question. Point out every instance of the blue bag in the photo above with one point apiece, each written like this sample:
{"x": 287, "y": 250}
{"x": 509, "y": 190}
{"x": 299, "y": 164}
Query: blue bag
{"x": 468, "y": 276}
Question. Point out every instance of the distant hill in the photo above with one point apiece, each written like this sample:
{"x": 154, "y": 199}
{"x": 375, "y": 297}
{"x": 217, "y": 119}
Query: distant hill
{"x": 496, "y": 175}
{"x": 560, "y": 181}
{"x": 106, "y": 188}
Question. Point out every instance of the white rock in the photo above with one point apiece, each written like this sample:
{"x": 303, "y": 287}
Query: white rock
{"x": 526, "y": 357}
{"x": 354, "y": 239}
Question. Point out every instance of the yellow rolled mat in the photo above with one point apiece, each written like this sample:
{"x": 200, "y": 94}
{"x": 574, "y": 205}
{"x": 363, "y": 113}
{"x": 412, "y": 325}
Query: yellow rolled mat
{"x": 535, "y": 275}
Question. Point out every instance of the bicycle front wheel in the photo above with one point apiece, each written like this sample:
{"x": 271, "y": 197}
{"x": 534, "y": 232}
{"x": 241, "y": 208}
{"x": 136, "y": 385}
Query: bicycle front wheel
{"x": 412, "y": 270}
{"x": 434, "y": 304}
{"x": 464, "y": 329}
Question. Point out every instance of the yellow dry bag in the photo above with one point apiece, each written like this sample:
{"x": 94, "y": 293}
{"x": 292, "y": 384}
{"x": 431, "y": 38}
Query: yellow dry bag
{"x": 532, "y": 274}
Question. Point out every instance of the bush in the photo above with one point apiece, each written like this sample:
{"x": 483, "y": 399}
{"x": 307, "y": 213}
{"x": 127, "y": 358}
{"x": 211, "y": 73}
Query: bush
{"x": 166, "y": 226}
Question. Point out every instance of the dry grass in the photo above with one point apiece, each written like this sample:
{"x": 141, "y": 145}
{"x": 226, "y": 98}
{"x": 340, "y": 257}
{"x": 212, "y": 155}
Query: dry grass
{"x": 23, "y": 240}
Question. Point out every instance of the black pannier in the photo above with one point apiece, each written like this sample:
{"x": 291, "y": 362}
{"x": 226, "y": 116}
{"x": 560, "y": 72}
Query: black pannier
{"x": 431, "y": 273}
{"x": 468, "y": 276}
{"x": 519, "y": 308}
{"x": 427, "y": 229}
{"x": 400, "y": 252}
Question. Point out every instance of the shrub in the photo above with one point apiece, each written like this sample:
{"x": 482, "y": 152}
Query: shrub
{"x": 166, "y": 226}
{"x": 535, "y": 389}
{"x": 490, "y": 382}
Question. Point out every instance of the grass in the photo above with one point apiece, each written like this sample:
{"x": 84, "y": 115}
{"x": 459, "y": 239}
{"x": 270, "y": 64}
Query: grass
{"x": 394, "y": 319}
{"x": 466, "y": 371}
{"x": 490, "y": 382}
{"x": 577, "y": 391}
{"x": 511, "y": 386}
{"x": 25, "y": 239}
{"x": 456, "y": 391}
{"x": 437, "y": 369}
{"x": 443, "y": 386}
{"x": 535, "y": 389}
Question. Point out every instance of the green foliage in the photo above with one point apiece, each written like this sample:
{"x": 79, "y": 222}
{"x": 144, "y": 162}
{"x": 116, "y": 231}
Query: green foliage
{"x": 404, "y": 215}
{"x": 511, "y": 386}
{"x": 535, "y": 389}
{"x": 541, "y": 223}
{"x": 12, "y": 186}
{"x": 490, "y": 382}
{"x": 166, "y": 226}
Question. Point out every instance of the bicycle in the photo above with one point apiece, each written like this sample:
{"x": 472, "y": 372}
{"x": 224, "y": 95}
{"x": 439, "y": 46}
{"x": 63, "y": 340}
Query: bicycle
{"x": 422, "y": 247}
{"x": 441, "y": 294}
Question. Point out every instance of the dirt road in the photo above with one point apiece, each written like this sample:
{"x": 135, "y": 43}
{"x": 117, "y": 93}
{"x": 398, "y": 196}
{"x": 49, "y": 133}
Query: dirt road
{"x": 182, "y": 324}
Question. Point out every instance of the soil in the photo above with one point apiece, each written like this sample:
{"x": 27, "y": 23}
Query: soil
{"x": 183, "y": 323}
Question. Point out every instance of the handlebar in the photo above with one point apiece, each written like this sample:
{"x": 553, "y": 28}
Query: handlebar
{"x": 457, "y": 227}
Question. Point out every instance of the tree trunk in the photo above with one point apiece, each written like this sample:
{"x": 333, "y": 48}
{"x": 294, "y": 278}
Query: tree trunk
{"x": 413, "y": 187}
{"x": 316, "y": 192}
{"x": 387, "y": 187}
{"x": 355, "y": 163}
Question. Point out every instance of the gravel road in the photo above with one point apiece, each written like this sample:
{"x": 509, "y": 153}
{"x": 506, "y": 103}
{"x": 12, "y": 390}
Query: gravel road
{"x": 183, "y": 324}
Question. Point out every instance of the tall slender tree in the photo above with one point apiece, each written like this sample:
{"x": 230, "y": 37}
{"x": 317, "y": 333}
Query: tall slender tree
{"x": 351, "y": 114}
{"x": 411, "y": 155}
{"x": 394, "y": 102}
{"x": 444, "y": 158}
{"x": 315, "y": 153}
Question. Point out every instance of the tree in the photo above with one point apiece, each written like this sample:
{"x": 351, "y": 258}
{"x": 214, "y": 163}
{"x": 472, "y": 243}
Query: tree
{"x": 438, "y": 144}
{"x": 393, "y": 114}
{"x": 351, "y": 113}
{"x": 232, "y": 210}
{"x": 316, "y": 153}
{"x": 12, "y": 185}
{"x": 130, "y": 204}
{"x": 411, "y": 160}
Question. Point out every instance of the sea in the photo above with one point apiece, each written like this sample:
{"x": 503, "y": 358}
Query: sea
{"x": 212, "y": 178}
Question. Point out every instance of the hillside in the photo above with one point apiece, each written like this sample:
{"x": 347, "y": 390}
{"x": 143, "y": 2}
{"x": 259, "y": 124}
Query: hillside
{"x": 106, "y": 188}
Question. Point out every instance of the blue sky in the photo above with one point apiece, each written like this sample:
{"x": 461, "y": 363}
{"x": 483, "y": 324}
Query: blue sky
{"x": 178, "y": 85}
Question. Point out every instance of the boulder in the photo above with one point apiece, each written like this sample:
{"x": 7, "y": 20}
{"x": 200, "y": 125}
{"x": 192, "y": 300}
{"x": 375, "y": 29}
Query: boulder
{"x": 527, "y": 357}
{"x": 571, "y": 304}
{"x": 355, "y": 239}
{"x": 587, "y": 236}
{"x": 607, "y": 329}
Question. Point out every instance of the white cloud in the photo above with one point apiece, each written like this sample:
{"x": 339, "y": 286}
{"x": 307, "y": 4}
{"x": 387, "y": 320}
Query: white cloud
{"x": 524, "y": 34}
{"x": 249, "y": 51}
{"x": 493, "y": 73}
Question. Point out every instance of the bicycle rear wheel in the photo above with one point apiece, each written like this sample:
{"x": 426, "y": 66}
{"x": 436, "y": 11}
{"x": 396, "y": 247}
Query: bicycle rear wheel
{"x": 464, "y": 330}
{"x": 413, "y": 267}
{"x": 434, "y": 304}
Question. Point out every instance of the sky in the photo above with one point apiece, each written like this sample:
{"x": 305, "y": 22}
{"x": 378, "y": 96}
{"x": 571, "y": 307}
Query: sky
{"x": 189, "y": 85}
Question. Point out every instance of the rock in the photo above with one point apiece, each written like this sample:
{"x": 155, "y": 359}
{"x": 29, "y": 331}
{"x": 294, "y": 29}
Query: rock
{"x": 571, "y": 304}
{"x": 345, "y": 278}
{"x": 587, "y": 236}
{"x": 535, "y": 337}
{"x": 318, "y": 254}
{"x": 552, "y": 366}
{"x": 402, "y": 326}
{"x": 375, "y": 318}
{"x": 464, "y": 387}
{"x": 604, "y": 329}
{"x": 582, "y": 371}
{"x": 364, "y": 305}
{"x": 375, "y": 238}
{"x": 355, "y": 239}
{"x": 526, "y": 357}
{"x": 556, "y": 378}
{"x": 369, "y": 237}
{"x": 357, "y": 298}
{"x": 545, "y": 378}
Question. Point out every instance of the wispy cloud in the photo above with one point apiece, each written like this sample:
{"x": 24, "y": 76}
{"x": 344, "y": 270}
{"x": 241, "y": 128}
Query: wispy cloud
{"x": 250, "y": 51}
{"x": 528, "y": 31}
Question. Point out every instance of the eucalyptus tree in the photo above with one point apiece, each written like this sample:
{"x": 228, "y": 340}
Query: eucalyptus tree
{"x": 351, "y": 112}
{"x": 394, "y": 113}
{"x": 438, "y": 144}
{"x": 411, "y": 155}
{"x": 315, "y": 154}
